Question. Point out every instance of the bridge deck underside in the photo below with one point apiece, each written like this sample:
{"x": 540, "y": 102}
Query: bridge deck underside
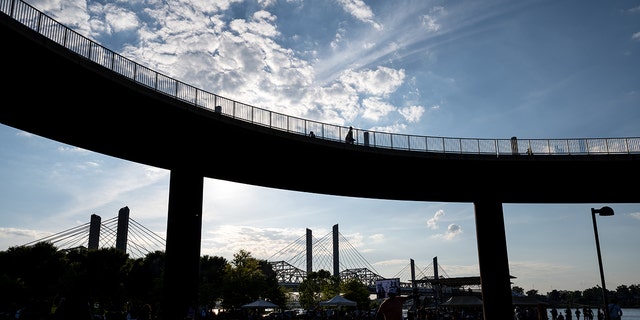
{"x": 65, "y": 97}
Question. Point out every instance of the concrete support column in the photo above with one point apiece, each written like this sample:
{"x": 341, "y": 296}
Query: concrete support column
{"x": 494, "y": 263}
{"x": 184, "y": 232}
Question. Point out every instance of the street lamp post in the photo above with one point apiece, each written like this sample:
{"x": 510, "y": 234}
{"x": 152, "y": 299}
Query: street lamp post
{"x": 604, "y": 211}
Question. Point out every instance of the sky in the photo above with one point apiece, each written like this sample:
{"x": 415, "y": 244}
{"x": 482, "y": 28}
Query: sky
{"x": 468, "y": 69}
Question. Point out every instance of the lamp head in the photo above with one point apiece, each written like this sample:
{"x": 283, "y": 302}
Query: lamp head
{"x": 604, "y": 211}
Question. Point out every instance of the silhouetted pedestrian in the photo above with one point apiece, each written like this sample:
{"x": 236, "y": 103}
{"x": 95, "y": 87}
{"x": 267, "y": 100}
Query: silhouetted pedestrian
{"x": 145, "y": 312}
{"x": 615, "y": 312}
{"x": 391, "y": 307}
{"x": 349, "y": 138}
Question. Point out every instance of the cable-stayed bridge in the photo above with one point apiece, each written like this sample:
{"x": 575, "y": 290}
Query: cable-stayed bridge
{"x": 121, "y": 232}
{"x": 331, "y": 252}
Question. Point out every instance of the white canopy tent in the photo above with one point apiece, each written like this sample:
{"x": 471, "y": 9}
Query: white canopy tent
{"x": 338, "y": 301}
{"x": 258, "y": 304}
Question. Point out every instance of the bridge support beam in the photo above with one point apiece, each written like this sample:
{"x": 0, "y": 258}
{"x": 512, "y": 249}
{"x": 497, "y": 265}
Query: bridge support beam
{"x": 494, "y": 263}
{"x": 182, "y": 253}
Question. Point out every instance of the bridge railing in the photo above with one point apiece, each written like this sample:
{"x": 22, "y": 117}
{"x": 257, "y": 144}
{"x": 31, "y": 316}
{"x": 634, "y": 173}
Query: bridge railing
{"x": 89, "y": 49}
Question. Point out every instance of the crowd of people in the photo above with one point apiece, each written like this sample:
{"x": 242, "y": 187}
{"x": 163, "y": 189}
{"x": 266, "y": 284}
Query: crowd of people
{"x": 587, "y": 313}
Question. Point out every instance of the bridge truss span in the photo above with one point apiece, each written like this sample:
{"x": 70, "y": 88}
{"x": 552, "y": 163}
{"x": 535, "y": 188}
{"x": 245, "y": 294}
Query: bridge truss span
{"x": 364, "y": 275}
{"x": 287, "y": 274}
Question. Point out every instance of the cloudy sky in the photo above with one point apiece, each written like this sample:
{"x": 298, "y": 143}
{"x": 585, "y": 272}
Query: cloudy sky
{"x": 478, "y": 69}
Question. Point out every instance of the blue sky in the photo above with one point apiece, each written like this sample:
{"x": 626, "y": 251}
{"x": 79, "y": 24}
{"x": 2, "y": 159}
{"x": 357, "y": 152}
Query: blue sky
{"x": 478, "y": 69}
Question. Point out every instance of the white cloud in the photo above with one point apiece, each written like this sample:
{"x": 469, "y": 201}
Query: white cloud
{"x": 226, "y": 240}
{"x": 377, "y": 237}
{"x": 453, "y": 231}
{"x": 396, "y": 127}
{"x": 24, "y": 134}
{"x": 430, "y": 21}
{"x": 635, "y": 9}
{"x": 120, "y": 19}
{"x": 432, "y": 223}
{"x": 375, "y": 109}
{"x": 379, "y": 82}
{"x": 72, "y": 149}
{"x": 361, "y": 11}
{"x": 412, "y": 113}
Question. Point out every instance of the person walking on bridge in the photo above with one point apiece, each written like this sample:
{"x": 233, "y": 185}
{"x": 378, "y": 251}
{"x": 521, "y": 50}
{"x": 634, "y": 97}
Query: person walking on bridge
{"x": 349, "y": 138}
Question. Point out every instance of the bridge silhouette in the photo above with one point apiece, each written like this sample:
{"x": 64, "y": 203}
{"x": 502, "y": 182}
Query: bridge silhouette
{"x": 331, "y": 252}
{"x": 85, "y": 95}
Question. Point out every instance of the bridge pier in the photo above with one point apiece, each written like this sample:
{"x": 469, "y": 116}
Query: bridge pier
{"x": 182, "y": 253}
{"x": 493, "y": 261}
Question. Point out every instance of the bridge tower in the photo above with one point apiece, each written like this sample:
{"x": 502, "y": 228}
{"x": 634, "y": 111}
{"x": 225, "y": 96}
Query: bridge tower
{"x": 94, "y": 232}
{"x": 436, "y": 277}
{"x": 336, "y": 252}
{"x": 309, "y": 252}
{"x": 414, "y": 284}
{"x": 123, "y": 229}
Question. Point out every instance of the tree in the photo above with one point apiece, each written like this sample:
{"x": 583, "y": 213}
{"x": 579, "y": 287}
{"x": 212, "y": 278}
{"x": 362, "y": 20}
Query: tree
{"x": 318, "y": 286}
{"x": 244, "y": 281}
{"x": 357, "y": 291}
{"x": 273, "y": 291}
{"x": 212, "y": 272}
{"x": 592, "y": 296}
{"x": 532, "y": 293}
{"x": 518, "y": 290}
{"x": 144, "y": 280}
{"x": 30, "y": 275}
{"x": 105, "y": 273}
{"x": 554, "y": 297}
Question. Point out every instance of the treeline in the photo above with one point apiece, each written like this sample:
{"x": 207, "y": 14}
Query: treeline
{"x": 36, "y": 280}
{"x": 627, "y": 296}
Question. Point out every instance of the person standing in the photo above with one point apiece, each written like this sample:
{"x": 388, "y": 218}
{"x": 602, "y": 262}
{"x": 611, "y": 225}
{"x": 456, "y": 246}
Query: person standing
{"x": 391, "y": 307}
{"x": 615, "y": 312}
{"x": 380, "y": 293}
{"x": 145, "y": 312}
